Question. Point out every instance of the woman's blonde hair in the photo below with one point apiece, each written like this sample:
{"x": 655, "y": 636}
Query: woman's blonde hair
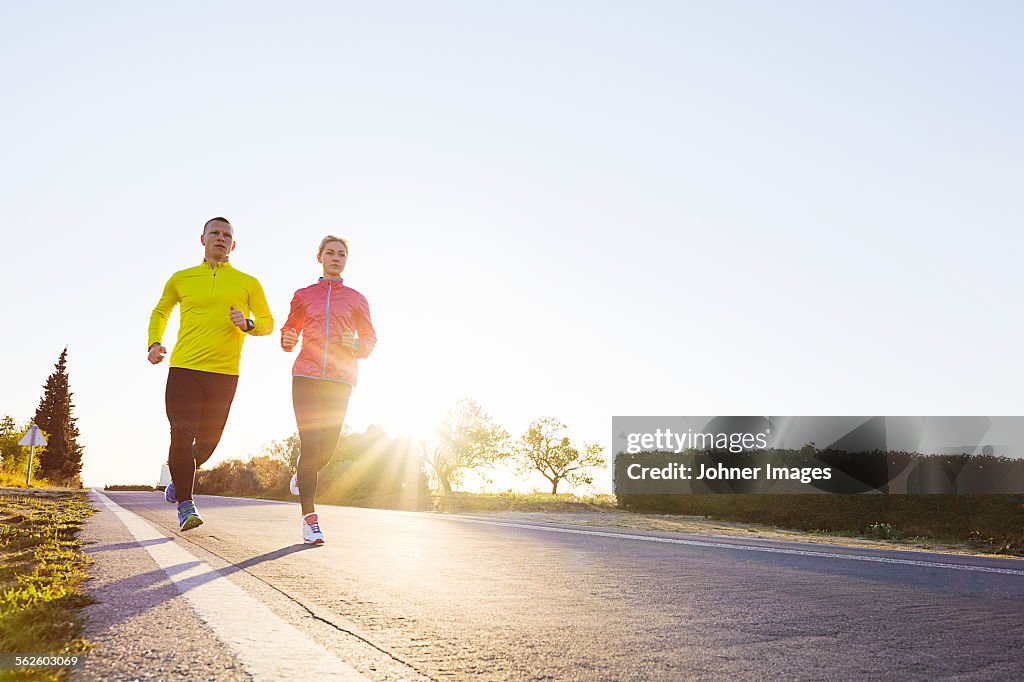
{"x": 328, "y": 239}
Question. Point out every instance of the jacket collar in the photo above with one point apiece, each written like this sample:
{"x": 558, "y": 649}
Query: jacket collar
{"x": 220, "y": 266}
{"x": 324, "y": 280}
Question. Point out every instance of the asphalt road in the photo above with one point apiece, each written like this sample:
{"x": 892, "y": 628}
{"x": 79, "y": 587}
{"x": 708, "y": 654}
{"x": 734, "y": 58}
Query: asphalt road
{"x": 404, "y": 596}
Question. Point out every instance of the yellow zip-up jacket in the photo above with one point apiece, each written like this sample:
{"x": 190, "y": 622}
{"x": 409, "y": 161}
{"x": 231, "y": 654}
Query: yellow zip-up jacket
{"x": 207, "y": 340}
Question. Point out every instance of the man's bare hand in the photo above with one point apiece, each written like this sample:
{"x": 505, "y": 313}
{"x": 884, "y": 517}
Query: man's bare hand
{"x": 157, "y": 353}
{"x": 238, "y": 319}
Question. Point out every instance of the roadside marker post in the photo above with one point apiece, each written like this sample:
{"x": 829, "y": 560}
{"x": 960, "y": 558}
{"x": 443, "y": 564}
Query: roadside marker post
{"x": 33, "y": 438}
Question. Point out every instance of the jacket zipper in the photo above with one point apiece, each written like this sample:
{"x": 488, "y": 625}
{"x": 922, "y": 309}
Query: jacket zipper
{"x": 327, "y": 330}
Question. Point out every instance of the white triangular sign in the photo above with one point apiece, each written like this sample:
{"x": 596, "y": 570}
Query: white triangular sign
{"x": 33, "y": 437}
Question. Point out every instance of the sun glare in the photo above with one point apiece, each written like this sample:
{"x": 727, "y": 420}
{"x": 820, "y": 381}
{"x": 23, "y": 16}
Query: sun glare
{"x": 402, "y": 416}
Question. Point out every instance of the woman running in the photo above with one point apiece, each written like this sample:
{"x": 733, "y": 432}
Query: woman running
{"x": 334, "y": 322}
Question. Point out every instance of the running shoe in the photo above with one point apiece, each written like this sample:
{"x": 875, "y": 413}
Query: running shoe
{"x": 169, "y": 494}
{"x": 311, "y": 533}
{"x": 293, "y": 485}
{"x": 188, "y": 515}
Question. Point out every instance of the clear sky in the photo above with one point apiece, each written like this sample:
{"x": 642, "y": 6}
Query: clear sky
{"x": 575, "y": 209}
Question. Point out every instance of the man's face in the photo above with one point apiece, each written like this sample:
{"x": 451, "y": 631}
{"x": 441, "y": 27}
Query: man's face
{"x": 218, "y": 238}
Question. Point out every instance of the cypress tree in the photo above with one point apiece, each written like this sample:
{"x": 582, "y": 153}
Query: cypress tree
{"x": 62, "y": 459}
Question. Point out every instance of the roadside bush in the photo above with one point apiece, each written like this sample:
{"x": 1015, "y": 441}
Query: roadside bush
{"x": 368, "y": 469}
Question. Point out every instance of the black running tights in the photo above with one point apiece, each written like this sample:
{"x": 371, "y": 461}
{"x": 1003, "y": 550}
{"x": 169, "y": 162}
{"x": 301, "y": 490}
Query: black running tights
{"x": 320, "y": 407}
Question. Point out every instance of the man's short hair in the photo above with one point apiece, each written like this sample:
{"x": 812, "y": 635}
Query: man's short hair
{"x": 218, "y": 219}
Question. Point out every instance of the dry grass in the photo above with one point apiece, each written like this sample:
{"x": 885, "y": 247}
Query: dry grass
{"x": 523, "y": 502}
{"x": 41, "y": 569}
{"x": 9, "y": 480}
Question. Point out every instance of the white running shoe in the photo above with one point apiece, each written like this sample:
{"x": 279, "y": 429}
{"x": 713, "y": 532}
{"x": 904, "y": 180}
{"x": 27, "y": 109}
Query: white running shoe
{"x": 293, "y": 485}
{"x": 311, "y": 533}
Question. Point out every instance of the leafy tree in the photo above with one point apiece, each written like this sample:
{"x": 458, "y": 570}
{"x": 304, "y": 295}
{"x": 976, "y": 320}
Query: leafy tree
{"x": 286, "y": 450}
{"x": 62, "y": 459}
{"x": 230, "y": 477}
{"x": 270, "y": 473}
{"x": 544, "y": 448}
{"x": 10, "y": 451}
{"x": 14, "y": 457}
{"x": 466, "y": 438}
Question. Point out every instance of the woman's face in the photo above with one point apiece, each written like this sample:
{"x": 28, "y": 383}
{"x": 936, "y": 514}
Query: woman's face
{"x": 333, "y": 259}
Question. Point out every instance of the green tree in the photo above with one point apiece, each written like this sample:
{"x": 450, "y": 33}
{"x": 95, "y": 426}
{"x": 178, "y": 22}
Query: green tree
{"x": 270, "y": 473}
{"x": 466, "y": 438}
{"x": 230, "y": 477}
{"x": 286, "y": 450}
{"x": 14, "y": 457}
{"x": 544, "y": 448}
{"x": 62, "y": 459}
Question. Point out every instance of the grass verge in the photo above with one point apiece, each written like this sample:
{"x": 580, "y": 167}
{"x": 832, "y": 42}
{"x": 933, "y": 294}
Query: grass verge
{"x": 41, "y": 570}
{"x": 522, "y": 502}
{"x": 9, "y": 480}
{"x": 456, "y": 502}
{"x": 988, "y": 523}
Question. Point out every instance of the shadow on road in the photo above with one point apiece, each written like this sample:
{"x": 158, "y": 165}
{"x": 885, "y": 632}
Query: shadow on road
{"x": 139, "y": 593}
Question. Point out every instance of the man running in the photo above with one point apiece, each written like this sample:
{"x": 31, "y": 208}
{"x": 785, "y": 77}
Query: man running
{"x": 216, "y": 302}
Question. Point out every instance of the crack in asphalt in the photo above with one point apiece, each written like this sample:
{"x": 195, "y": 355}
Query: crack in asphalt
{"x": 308, "y": 610}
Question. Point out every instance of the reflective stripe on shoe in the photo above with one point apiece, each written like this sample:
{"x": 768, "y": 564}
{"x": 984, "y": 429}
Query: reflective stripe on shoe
{"x": 188, "y": 516}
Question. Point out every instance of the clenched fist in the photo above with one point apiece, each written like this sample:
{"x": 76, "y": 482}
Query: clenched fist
{"x": 349, "y": 341}
{"x": 288, "y": 339}
{"x": 238, "y": 319}
{"x": 157, "y": 353}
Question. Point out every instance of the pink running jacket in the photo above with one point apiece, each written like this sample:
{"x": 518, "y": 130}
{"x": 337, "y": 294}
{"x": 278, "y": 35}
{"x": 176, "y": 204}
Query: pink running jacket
{"x": 319, "y": 314}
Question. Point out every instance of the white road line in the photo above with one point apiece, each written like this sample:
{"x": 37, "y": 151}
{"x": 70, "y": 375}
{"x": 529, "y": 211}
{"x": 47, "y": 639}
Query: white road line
{"x": 268, "y": 647}
{"x": 745, "y": 548}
